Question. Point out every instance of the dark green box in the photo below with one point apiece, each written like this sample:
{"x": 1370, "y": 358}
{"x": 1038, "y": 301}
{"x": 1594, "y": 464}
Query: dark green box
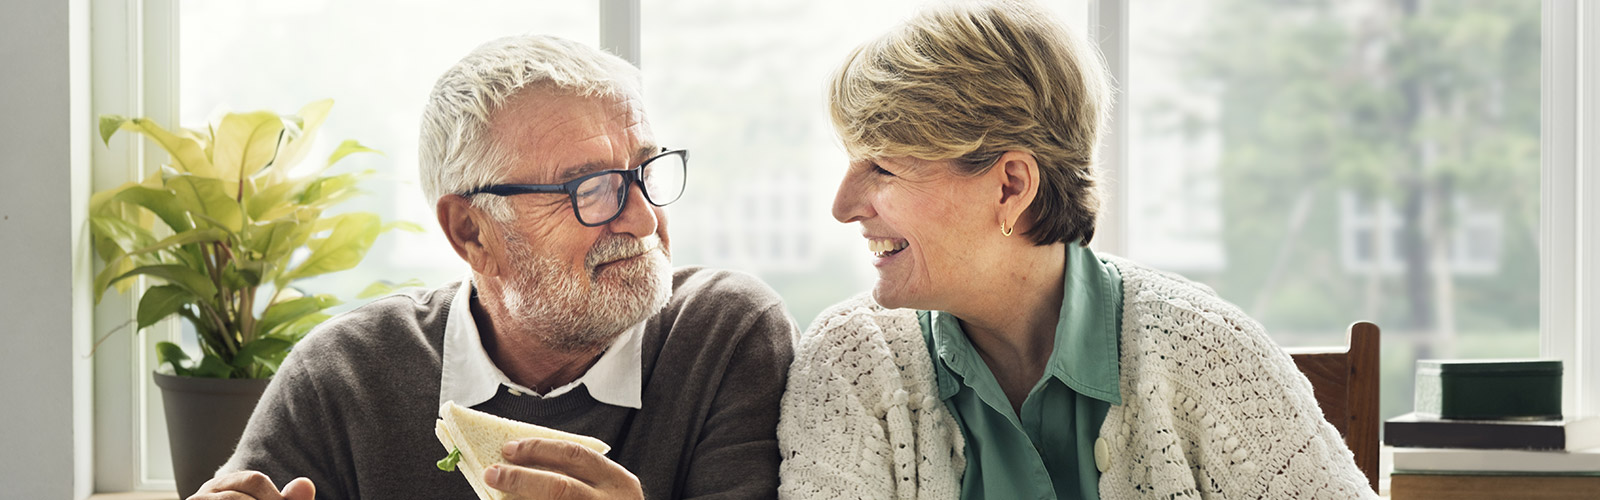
{"x": 1489, "y": 389}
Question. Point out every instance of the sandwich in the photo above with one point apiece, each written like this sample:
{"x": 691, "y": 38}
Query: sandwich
{"x": 474, "y": 440}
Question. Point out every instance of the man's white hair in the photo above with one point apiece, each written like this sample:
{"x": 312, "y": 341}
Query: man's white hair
{"x": 457, "y": 152}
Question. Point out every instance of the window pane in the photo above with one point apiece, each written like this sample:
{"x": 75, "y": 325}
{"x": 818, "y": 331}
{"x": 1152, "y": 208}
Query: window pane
{"x": 377, "y": 60}
{"x": 1321, "y": 162}
{"x": 741, "y": 85}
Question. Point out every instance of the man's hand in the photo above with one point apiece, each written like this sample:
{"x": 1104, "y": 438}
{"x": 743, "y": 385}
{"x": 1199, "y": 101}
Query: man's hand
{"x": 560, "y": 470}
{"x": 246, "y": 485}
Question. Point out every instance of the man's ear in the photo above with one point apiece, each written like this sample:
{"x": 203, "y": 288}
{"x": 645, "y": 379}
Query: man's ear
{"x": 468, "y": 229}
{"x": 1018, "y": 173}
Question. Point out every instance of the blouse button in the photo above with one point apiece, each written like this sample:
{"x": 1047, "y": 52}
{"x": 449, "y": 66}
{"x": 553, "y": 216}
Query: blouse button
{"x": 1102, "y": 455}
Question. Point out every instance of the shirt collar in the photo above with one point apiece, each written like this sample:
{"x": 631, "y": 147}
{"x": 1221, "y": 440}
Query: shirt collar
{"x": 1085, "y": 356}
{"x": 470, "y": 378}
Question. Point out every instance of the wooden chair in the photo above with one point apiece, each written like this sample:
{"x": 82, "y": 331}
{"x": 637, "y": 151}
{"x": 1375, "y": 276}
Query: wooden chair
{"x": 1346, "y": 386}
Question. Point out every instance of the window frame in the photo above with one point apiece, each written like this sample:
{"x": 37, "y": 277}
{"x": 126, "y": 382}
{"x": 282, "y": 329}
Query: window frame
{"x": 133, "y": 63}
{"x": 1569, "y": 280}
{"x": 1569, "y": 217}
{"x": 134, "y": 71}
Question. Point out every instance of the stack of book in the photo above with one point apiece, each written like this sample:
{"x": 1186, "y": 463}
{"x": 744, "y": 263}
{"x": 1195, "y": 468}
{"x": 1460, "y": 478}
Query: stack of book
{"x": 1438, "y": 458}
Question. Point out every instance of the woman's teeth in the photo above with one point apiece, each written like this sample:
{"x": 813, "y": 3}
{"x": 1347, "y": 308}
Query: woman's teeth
{"x": 885, "y": 248}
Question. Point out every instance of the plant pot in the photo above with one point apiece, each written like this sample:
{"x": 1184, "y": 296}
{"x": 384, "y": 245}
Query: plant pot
{"x": 205, "y": 417}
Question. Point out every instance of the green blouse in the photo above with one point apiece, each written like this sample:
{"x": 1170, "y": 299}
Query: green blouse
{"x": 1048, "y": 450}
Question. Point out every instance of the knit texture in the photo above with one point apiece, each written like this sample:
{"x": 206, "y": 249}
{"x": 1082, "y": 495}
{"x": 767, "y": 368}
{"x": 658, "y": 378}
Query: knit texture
{"x": 354, "y": 406}
{"x": 1212, "y": 409}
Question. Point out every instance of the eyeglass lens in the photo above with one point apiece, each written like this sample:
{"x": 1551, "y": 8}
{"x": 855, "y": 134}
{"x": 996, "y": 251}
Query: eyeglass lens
{"x": 600, "y": 198}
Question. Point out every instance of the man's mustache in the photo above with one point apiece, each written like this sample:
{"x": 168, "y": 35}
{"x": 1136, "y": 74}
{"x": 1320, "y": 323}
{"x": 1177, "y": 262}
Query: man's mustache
{"x": 618, "y": 247}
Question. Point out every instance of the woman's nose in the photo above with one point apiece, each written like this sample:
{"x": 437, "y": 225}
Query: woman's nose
{"x": 849, "y": 204}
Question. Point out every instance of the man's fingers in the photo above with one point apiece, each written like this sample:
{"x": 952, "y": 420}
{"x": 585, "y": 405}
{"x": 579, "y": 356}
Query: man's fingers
{"x": 226, "y": 495}
{"x": 238, "y": 486}
{"x": 567, "y": 458}
{"x": 523, "y": 482}
{"x": 300, "y": 489}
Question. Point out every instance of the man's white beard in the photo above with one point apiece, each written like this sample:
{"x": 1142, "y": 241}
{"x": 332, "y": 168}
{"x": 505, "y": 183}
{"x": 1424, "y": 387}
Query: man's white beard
{"x": 573, "y": 311}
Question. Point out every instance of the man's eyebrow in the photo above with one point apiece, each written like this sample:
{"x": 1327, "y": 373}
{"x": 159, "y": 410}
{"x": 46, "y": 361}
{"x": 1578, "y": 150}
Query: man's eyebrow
{"x": 579, "y": 170}
{"x": 575, "y": 171}
{"x": 645, "y": 152}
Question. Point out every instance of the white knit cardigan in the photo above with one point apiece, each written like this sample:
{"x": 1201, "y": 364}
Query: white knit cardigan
{"x": 1211, "y": 408}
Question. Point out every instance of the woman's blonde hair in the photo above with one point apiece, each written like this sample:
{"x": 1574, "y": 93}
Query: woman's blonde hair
{"x": 970, "y": 81}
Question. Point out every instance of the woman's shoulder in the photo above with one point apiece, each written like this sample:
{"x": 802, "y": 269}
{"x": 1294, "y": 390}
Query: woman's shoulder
{"x": 860, "y": 340}
{"x": 1171, "y": 324}
{"x": 1194, "y": 361}
{"x": 859, "y": 320}
{"x": 1153, "y": 297}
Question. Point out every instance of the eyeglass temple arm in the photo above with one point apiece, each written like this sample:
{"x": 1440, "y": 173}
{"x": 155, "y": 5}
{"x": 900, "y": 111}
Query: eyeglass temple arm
{"x": 511, "y": 189}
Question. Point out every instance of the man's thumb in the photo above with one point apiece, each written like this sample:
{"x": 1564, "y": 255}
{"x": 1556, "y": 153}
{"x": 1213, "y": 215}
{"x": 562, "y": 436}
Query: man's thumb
{"x": 300, "y": 489}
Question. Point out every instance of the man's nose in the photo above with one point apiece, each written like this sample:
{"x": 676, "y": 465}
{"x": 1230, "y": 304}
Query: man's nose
{"x": 637, "y": 217}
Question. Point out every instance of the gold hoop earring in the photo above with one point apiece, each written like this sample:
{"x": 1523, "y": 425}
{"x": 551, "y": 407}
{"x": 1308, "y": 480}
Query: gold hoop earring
{"x": 1006, "y": 230}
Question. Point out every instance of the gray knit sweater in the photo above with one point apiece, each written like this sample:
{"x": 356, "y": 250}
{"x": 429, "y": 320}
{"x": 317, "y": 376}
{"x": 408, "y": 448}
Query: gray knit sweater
{"x": 353, "y": 406}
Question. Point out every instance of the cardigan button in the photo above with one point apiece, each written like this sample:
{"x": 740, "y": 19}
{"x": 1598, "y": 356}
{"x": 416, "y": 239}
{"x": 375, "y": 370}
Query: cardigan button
{"x": 1102, "y": 455}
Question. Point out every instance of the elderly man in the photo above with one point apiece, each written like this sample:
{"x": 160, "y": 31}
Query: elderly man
{"x": 548, "y": 182}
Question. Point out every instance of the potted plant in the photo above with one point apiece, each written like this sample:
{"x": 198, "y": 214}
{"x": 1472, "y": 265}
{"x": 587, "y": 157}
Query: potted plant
{"x": 225, "y": 229}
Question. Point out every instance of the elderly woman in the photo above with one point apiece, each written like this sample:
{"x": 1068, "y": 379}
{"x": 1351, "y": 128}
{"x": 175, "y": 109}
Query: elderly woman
{"x": 997, "y": 356}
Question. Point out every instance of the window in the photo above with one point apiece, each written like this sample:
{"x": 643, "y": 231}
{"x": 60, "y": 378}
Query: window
{"x": 742, "y": 85}
{"x": 378, "y": 62}
{"x": 1327, "y": 161}
{"x": 1259, "y": 153}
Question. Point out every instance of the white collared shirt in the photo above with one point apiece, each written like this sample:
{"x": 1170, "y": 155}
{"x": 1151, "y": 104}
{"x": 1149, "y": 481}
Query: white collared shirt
{"x": 469, "y": 377}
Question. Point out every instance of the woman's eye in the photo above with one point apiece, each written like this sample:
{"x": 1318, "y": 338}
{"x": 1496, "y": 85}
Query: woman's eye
{"x": 880, "y": 171}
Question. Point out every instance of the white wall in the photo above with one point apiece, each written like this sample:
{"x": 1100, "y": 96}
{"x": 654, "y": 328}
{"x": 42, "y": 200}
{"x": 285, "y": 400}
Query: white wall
{"x": 44, "y": 317}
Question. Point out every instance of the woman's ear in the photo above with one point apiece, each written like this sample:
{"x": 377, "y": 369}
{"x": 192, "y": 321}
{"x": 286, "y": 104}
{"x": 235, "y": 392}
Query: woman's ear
{"x": 1018, "y": 173}
{"x": 468, "y": 230}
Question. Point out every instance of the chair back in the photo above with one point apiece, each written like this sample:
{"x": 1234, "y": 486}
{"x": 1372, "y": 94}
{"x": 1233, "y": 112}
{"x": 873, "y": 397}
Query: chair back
{"x": 1345, "y": 381}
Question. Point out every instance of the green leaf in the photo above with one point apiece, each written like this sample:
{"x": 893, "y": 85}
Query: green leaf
{"x": 170, "y": 353}
{"x": 162, "y": 202}
{"x": 384, "y": 287}
{"x": 161, "y": 301}
{"x": 347, "y": 148}
{"x": 410, "y": 227}
{"x": 352, "y": 235}
{"x": 273, "y": 242}
{"x": 208, "y": 199}
{"x": 260, "y": 350}
{"x": 328, "y": 191}
{"x": 270, "y": 202}
{"x": 238, "y": 277}
{"x": 189, "y": 279}
{"x": 124, "y": 234}
{"x": 212, "y": 367}
{"x": 187, "y": 154}
{"x": 299, "y": 143}
{"x": 104, "y": 279}
{"x": 109, "y": 124}
{"x": 190, "y": 237}
{"x": 287, "y": 311}
{"x": 296, "y": 330}
{"x": 119, "y": 267}
{"x": 448, "y": 464}
{"x": 204, "y": 137}
{"x": 245, "y": 142}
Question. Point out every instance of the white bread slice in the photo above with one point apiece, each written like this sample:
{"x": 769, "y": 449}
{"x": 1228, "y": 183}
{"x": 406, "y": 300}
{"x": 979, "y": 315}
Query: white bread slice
{"x": 480, "y": 436}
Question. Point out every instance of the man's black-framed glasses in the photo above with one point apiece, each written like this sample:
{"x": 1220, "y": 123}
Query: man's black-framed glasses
{"x": 598, "y": 198}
